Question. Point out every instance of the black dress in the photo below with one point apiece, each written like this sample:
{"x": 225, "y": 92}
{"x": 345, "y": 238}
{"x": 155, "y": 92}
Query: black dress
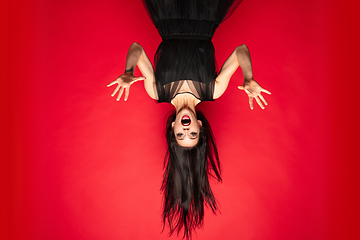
{"x": 186, "y": 52}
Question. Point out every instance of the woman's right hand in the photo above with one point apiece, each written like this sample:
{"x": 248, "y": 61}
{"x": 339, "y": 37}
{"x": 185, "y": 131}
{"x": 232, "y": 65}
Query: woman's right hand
{"x": 124, "y": 81}
{"x": 253, "y": 90}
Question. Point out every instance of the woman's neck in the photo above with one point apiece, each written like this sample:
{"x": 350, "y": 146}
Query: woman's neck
{"x": 185, "y": 100}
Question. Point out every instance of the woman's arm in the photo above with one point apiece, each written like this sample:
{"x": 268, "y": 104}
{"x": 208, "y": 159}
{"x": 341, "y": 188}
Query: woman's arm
{"x": 136, "y": 57}
{"x": 240, "y": 57}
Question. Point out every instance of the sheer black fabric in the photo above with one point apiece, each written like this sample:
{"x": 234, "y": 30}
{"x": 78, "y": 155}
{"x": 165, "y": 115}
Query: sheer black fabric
{"x": 186, "y": 52}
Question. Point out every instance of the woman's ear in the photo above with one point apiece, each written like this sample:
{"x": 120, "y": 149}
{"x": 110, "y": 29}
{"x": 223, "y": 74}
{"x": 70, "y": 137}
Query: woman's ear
{"x": 172, "y": 125}
{"x": 200, "y": 122}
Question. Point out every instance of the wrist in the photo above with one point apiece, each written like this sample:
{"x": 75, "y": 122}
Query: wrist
{"x": 129, "y": 71}
{"x": 248, "y": 79}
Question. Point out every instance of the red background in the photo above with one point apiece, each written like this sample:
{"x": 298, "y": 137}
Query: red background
{"x": 79, "y": 165}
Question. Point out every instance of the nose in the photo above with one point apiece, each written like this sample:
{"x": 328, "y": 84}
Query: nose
{"x": 186, "y": 129}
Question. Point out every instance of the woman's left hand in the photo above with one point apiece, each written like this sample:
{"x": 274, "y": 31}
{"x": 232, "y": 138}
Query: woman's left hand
{"x": 253, "y": 90}
{"x": 124, "y": 81}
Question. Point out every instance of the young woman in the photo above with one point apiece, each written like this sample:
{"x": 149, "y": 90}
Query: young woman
{"x": 184, "y": 76}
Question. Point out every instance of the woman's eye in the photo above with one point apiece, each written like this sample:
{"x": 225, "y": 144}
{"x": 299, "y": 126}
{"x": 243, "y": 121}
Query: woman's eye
{"x": 179, "y": 135}
{"x": 193, "y": 134}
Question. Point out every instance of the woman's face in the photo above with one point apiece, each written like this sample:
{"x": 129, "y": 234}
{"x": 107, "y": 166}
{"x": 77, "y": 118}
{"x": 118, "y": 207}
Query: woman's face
{"x": 186, "y": 128}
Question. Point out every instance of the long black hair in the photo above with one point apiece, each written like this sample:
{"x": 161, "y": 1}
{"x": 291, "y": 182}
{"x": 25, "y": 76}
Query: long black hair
{"x": 185, "y": 184}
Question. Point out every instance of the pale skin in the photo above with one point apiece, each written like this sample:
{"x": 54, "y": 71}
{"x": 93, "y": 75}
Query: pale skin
{"x": 240, "y": 57}
{"x": 186, "y": 136}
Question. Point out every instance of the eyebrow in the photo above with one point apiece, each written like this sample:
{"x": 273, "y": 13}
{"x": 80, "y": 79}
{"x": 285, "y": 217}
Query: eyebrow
{"x": 189, "y": 138}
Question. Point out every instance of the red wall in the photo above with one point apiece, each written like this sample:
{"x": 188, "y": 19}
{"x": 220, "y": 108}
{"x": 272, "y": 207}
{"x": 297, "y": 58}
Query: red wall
{"x": 80, "y": 165}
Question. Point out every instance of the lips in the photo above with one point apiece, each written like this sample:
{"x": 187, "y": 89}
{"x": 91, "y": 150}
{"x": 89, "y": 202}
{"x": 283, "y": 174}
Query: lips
{"x": 185, "y": 120}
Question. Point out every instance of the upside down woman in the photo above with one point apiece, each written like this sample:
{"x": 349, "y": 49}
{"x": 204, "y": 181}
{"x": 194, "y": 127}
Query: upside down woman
{"x": 185, "y": 75}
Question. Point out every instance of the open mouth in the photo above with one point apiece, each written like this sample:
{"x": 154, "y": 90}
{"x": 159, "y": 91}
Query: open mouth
{"x": 185, "y": 120}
